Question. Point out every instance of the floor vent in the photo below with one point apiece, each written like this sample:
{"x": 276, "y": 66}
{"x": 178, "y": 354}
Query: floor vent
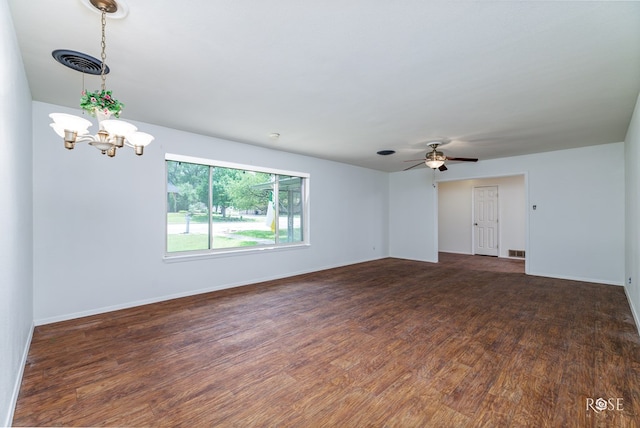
{"x": 516, "y": 253}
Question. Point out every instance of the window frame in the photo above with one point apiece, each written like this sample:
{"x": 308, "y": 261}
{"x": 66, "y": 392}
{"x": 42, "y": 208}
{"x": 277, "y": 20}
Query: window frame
{"x": 223, "y": 252}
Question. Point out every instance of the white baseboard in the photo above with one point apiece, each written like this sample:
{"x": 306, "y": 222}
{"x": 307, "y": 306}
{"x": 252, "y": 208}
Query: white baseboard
{"x": 471, "y": 254}
{"x": 633, "y": 310}
{"x": 127, "y": 305}
{"x": 413, "y": 259}
{"x": 456, "y": 252}
{"x": 18, "y": 383}
{"x": 577, "y": 278}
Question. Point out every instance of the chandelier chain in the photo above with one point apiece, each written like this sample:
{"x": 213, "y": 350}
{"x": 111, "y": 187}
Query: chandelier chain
{"x": 103, "y": 45}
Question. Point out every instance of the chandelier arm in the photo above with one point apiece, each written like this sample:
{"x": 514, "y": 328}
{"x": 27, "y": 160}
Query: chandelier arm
{"x": 129, "y": 144}
{"x": 85, "y": 138}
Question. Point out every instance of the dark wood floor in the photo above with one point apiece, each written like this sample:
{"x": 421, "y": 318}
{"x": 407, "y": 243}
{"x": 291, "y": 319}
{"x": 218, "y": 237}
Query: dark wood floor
{"x": 485, "y": 263}
{"x": 384, "y": 343}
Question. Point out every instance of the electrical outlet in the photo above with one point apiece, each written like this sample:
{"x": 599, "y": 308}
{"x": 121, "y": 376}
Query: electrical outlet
{"x": 629, "y": 280}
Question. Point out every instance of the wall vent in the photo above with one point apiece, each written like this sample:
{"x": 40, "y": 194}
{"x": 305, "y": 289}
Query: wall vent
{"x": 516, "y": 253}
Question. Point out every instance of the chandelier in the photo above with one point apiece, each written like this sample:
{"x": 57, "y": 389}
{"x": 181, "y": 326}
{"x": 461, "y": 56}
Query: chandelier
{"x": 112, "y": 134}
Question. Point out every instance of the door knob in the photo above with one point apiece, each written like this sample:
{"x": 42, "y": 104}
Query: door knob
{"x": 475, "y": 224}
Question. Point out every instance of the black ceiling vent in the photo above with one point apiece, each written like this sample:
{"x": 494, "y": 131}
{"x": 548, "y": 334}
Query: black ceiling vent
{"x": 386, "y": 152}
{"x": 79, "y": 61}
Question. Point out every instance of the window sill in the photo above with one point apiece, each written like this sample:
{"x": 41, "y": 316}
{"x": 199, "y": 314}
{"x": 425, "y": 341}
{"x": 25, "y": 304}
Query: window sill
{"x": 177, "y": 258}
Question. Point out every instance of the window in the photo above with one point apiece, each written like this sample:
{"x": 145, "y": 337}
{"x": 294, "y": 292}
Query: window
{"x": 219, "y": 207}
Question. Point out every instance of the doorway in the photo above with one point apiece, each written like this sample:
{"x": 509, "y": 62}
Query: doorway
{"x": 456, "y": 215}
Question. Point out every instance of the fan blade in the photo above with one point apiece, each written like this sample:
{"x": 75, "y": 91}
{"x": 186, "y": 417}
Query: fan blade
{"x": 411, "y": 167}
{"x": 463, "y": 159}
{"x": 415, "y": 160}
{"x": 443, "y": 168}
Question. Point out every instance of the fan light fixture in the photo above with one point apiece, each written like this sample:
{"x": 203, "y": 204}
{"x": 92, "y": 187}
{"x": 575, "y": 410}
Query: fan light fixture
{"x": 434, "y": 159}
{"x": 112, "y": 134}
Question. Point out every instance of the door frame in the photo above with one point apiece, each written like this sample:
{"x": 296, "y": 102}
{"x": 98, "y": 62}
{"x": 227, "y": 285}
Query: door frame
{"x": 473, "y": 218}
{"x": 527, "y": 232}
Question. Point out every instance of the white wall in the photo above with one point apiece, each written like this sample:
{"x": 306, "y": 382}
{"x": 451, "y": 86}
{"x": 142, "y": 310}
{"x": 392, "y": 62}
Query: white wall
{"x": 16, "y": 280}
{"x": 455, "y": 214}
{"x": 632, "y": 188}
{"x": 577, "y": 232}
{"x": 412, "y": 217}
{"x": 99, "y": 223}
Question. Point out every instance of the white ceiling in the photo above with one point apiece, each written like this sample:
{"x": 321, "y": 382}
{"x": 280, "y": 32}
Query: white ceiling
{"x": 343, "y": 79}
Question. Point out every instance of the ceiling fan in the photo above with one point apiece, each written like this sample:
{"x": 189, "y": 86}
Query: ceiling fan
{"x": 435, "y": 159}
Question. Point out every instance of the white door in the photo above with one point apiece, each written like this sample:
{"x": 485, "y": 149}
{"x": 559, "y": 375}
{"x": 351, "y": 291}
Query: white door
{"x": 485, "y": 220}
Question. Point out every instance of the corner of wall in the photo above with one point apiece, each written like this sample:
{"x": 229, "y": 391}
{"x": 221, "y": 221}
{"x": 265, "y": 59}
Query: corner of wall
{"x": 16, "y": 193}
{"x": 634, "y": 312}
{"x": 18, "y": 383}
{"x": 632, "y": 213}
